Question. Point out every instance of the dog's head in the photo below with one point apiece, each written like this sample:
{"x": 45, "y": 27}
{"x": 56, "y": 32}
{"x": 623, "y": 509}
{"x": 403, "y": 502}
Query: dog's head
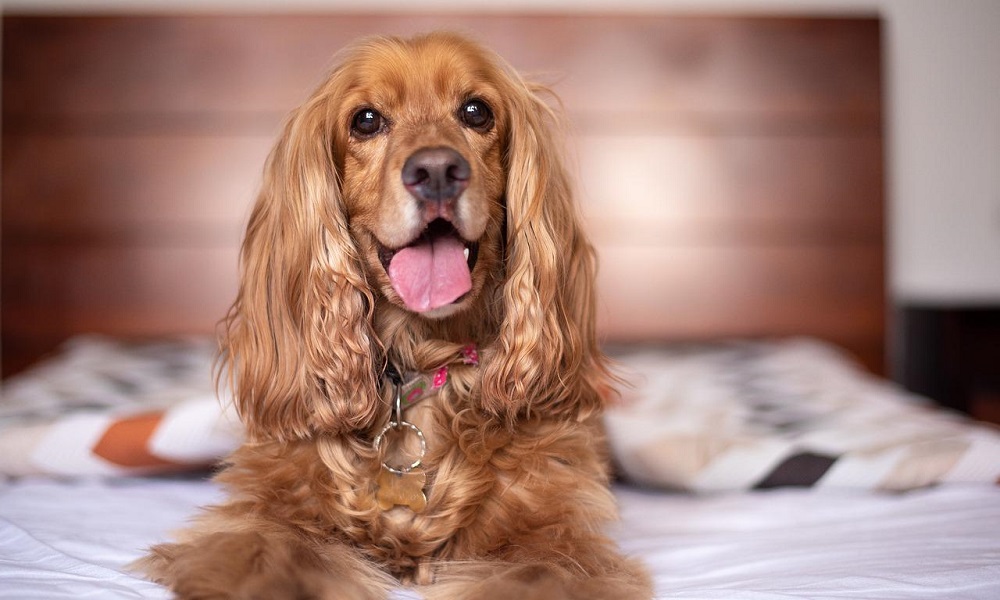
{"x": 422, "y": 178}
{"x": 420, "y": 145}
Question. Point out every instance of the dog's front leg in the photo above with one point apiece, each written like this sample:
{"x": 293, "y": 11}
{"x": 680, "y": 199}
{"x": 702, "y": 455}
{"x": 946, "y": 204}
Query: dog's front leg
{"x": 536, "y": 577}
{"x": 252, "y": 565}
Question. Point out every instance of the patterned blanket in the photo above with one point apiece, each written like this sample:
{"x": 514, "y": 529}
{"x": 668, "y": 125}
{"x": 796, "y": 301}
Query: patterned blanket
{"x": 796, "y": 412}
{"x": 106, "y": 407}
{"x": 729, "y": 416}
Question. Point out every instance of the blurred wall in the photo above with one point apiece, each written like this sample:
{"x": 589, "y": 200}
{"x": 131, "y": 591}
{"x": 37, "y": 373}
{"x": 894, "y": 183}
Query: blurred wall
{"x": 943, "y": 83}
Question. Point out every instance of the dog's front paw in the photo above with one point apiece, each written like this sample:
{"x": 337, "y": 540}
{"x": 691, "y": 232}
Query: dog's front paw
{"x": 299, "y": 584}
{"x": 539, "y": 581}
{"x": 253, "y": 566}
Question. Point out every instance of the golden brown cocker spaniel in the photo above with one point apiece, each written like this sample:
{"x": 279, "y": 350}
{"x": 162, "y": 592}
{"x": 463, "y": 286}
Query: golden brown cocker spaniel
{"x": 413, "y": 353}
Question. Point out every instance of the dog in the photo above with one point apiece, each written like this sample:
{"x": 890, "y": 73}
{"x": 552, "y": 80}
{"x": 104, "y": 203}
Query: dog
{"x": 413, "y": 352}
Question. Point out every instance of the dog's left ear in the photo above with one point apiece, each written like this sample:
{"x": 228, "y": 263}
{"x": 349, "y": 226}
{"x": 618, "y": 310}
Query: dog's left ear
{"x": 547, "y": 358}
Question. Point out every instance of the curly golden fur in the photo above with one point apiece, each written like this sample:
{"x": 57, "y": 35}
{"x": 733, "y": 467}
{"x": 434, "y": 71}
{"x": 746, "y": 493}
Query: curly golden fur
{"x": 516, "y": 476}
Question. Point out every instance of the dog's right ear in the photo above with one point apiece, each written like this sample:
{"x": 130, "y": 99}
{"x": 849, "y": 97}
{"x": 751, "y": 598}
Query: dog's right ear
{"x": 298, "y": 350}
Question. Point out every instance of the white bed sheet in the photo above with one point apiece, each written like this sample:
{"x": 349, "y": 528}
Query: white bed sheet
{"x": 71, "y": 539}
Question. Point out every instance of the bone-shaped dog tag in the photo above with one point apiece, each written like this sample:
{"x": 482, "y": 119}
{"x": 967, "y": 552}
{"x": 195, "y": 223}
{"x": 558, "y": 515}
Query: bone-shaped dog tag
{"x": 401, "y": 489}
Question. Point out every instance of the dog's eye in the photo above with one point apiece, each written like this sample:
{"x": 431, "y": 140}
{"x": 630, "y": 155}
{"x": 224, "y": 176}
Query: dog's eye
{"x": 477, "y": 115}
{"x": 366, "y": 122}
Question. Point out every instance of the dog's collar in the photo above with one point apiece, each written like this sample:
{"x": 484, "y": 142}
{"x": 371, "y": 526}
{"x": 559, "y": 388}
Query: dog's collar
{"x": 401, "y": 481}
{"x": 414, "y": 387}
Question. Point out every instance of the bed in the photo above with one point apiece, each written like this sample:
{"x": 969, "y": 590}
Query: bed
{"x": 785, "y": 544}
{"x": 766, "y": 469}
{"x": 760, "y": 451}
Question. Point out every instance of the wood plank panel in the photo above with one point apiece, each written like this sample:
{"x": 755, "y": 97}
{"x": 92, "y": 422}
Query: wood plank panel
{"x": 138, "y": 187}
{"x": 248, "y": 65}
{"x": 697, "y": 293}
{"x": 200, "y": 187}
{"x": 707, "y": 188}
{"x": 134, "y": 290}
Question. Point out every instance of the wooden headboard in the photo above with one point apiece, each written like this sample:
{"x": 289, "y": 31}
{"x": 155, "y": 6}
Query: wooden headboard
{"x": 730, "y": 168}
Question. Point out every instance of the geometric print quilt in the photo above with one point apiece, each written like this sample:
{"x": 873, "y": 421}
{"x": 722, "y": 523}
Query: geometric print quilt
{"x": 708, "y": 418}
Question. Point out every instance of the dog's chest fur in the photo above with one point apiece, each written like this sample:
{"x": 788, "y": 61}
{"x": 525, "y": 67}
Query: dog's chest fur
{"x": 487, "y": 488}
{"x": 462, "y": 476}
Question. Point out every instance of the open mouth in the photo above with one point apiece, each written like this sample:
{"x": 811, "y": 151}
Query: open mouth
{"x": 434, "y": 270}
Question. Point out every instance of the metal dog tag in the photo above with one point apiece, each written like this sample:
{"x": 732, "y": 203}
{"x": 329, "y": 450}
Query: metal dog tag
{"x": 401, "y": 485}
{"x": 401, "y": 489}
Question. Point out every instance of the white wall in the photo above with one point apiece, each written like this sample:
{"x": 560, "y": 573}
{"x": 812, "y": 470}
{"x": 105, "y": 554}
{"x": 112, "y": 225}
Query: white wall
{"x": 945, "y": 151}
{"x": 943, "y": 127}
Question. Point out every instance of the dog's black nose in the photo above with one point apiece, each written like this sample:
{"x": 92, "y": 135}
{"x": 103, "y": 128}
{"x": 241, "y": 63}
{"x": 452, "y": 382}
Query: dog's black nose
{"x": 438, "y": 175}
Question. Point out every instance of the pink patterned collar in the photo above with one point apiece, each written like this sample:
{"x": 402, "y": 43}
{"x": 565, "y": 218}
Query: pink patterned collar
{"x": 414, "y": 387}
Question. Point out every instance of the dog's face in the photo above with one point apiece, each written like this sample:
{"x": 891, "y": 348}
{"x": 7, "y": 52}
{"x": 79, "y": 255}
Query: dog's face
{"x": 419, "y": 144}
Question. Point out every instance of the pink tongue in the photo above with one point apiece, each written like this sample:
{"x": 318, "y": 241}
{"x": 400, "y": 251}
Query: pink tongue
{"x": 430, "y": 274}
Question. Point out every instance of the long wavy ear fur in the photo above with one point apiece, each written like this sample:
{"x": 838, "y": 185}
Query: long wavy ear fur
{"x": 297, "y": 345}
{"x": 547, "y": 357}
